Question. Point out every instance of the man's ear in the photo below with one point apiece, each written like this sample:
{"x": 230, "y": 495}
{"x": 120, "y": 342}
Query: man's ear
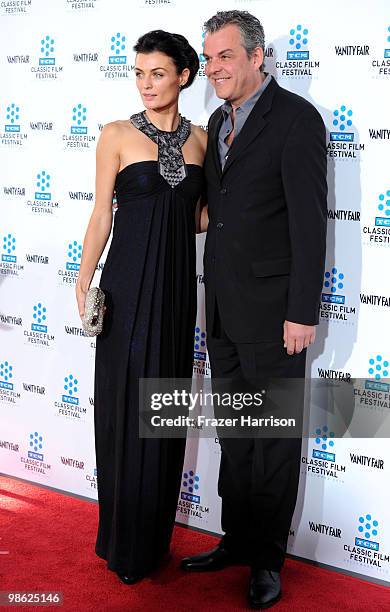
{"x": 258, "y": 57}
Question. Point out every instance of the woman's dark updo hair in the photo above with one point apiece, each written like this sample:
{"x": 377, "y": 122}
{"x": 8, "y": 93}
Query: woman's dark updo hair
{"x": 174, "y": 46}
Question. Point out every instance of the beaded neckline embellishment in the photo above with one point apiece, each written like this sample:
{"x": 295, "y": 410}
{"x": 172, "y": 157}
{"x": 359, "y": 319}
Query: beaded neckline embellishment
{"x": 171, "y": 163}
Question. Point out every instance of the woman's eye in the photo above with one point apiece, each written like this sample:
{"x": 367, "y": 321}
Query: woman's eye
{"x": 158, "y": 74}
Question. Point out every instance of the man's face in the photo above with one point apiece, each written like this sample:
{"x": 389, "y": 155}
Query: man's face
{"x": 228, "y": 68}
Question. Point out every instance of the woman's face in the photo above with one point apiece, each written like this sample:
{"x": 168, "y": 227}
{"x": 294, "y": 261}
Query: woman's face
{"x": 157, "y": 80}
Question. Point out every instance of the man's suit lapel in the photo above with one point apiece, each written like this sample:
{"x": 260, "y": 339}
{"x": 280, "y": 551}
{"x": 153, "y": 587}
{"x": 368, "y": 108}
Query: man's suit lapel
{"x": 213, "y": 142}
{"x": 252, "y": 127}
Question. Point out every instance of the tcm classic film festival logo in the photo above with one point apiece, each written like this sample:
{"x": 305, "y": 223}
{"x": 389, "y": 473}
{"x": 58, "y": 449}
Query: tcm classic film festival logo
{"x": 9, "y": 262}
{"x": 43, "y": 203}
{"x": 334, "y": 303}
{"x": 201, "y": 366}
{"x": 366, "y": 549}
{"x": 34, "y": 461}
{"x": 47, "y": 66}
{"x": 78, "y": 136}
{"x": 81, "y": 5}
{"x": 299, "y": 62}
{"x": 116, "y": 66}
{"x": 68, "y": 275}
{"x": 12, "y": 135}
{"x": 69, "y": 406}
{"x": 15, "y": 7}
{"x": 38, "y": 334}
{"x": 322, "y": 462}
{"x": 343, "y": 141}
{"x": 8, "y": 392}
{"x": 381, "y": 64}
{"x": 374, "y": 392}
{"x": 377, "y": 232}
{"x": 189, "y": 503}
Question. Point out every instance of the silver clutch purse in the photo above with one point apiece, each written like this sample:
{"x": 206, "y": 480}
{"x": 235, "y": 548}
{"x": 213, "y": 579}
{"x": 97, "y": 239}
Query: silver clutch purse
{"x": 92, "y": 320}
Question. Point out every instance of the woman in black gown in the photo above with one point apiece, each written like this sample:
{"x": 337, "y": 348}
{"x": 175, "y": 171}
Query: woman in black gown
{"x": 154, "y": 163}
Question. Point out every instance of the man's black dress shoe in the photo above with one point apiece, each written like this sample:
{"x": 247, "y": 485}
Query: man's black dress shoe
{"x": 264, "y": 589}
{"x": 129, "y": 579}
{"x": 216, "y": 559}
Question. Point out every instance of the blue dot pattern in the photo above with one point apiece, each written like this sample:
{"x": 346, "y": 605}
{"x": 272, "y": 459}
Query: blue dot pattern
{"x": 74, "y": 250}
{"x": 378, "y": 367}
{"x": 9, "y": 243}
{"x": 322, "y": 437}
{"x": 367, "y": 526}
{"x": 333, "y": 280}
{"x": 6, "y": 371}
{"x": 36, "y": 441}
{"x": 79, "y": 114}
{"x": 70, "y": 384}
{"x": 47, "y": 46}
{"x": 13, "y": 113}
{"x": 191, "y": 481}
{"x": 118, "y": 43}
{"x": 39, "y": 313}
{"x": 384, "y": 203}
{"x": 298, "y": 37}
{"x": 200, "y": 339}
{"x": 43, "y": 181}
{"x": 342, "y": 118}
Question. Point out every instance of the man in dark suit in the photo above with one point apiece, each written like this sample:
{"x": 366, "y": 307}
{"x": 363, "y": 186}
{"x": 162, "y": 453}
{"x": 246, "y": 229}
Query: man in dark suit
{"x": 264, "y": 261}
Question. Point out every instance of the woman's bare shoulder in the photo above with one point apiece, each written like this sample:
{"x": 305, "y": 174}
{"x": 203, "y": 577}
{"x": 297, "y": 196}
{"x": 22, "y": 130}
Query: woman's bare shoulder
{"x": 200, "y": 134}
{"x": 118, "y": 127}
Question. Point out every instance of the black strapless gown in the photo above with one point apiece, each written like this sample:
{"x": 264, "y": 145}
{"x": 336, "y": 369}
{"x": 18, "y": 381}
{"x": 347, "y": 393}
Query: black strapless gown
{"x": 149, "y": 279}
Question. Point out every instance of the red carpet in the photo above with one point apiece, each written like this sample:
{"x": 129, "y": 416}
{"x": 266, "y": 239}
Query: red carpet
{"x": 47, "y": 543}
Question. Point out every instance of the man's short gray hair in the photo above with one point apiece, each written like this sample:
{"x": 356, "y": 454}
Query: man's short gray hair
{"x": 251, "y": 30}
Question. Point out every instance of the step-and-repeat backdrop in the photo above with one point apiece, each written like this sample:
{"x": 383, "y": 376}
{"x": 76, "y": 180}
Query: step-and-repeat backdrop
{"x": 67, "y": 69}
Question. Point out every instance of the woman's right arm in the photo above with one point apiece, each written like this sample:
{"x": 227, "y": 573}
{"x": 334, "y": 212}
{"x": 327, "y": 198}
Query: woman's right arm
{"x": 99, "y": 226}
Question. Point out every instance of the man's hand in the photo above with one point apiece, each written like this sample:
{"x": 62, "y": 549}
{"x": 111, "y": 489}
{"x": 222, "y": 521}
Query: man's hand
{"x": 296, "y": 337}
